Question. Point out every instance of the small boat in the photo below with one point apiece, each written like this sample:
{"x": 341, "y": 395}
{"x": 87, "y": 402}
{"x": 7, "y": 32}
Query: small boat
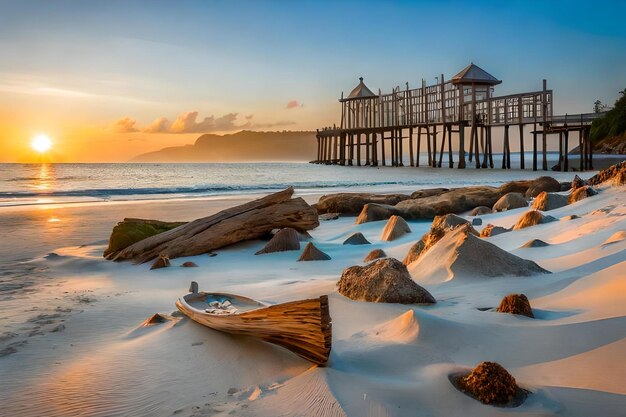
{"x": 304, "y": 327}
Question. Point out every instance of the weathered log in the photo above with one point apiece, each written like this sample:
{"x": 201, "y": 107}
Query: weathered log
{"x": 247, "y": 221}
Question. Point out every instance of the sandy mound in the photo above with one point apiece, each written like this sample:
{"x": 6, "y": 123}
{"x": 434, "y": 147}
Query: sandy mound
{"x": 615, "y": 237}
{"x": 547, "y": 184}
{"x": 395, "y": 227}
{"x": 311, "y": 253}
{"x": 480, "y": 210}
{"x": 532, "y": 218}
{"x": 516, "y": 304}
{"x": 581, "y": 193}
{"x": 161, "y": 262}
{"x": 549, "y": 201}
{"x": 356, "y": 239}
{"x": 615, "y": 174}
{"x": 570, "y": 217}
{"x": 384, "y": 281}
{"x": 510, "y": 201}
{"x": 490, "y": 383}
{"x": 286, "y": 239}
{"x": 535, "y": 243}
{"x": 375, "y": 254}
{"x": 491, "y": 230}
{"x": 461, "y": 254}
{"x": 402, "y": 329}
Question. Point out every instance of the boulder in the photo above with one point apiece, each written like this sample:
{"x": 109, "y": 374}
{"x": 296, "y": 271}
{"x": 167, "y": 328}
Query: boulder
{"x": 516, "y": 304}
{"x": 130, "y": 231}
{"x": 480, "y": 210}
{"x": 375, "y": 254}
{"x": 356, "y": 239}
{"x": 577, "y": 182}
{"x": 154, "y": 319}
{"x": 515, "y": 187}
{"x": 352, "y": 203}
{"x": 549, "y": 201}
{"x": 375, "y": 212}
{"x": 285, "y": 240}
{"x": 615, "y": 174}
{"x": 547, "y": 184}
{"x": 161, "y": 262}
{"x": 383, "y": 281}
{"x": 535, "y": 243}
{"x": 395, "y": 228}
{"x": 311, "y": 253}
{"x": 414, "y": 252}
{"x": 532, "y": 218}
{"x": 189, "y": 264}
{"x": 477, "y": 221}
{"x": 581, "y": 193}
{"x": 460, "y": 254}
{"x": 490, "y": 383}
{"x": 329, "y": 216}
{"x": 510, "y": 201}
{"x": 429, "y": 192}
{"x": 492, "y": 230}
{"x": 566, "y": 185}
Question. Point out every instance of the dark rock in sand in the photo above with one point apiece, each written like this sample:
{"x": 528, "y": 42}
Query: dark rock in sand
{"x": 516, "y": 304}
{"x": 535, "y": 243}
{"x": 515, "y": 187}
{"x": 565, "y": 186}
{"x": 189, "y": 264}
{"x": 532, "y": 218}
{"x": 547, "y": 184}
{"x": 383, "y": 281}
{"x": 356, "y": 239}
{"x": 285, "y": 240}
{"x": 375, "y": 254}
{"x": 154, "y": 319}
{"x": 374, "y": 212}
{"x": 581, "y": 193}
{"x": 329, "y": 216}
{"x": 510, "y": 201}
{"x": 477, "y": 222}
{"x": 480, "y": 210}
{"x": 491, "y": 230}
{"x": 312, "y": 253}
{"x": 549, "y": 201}
{"x": 616, "y": 174}
{"x": 429, "y": 192}
{"x": 490, "y": 383}
{"x": 577, "y": 182}
{"x": 352, "y": 203}
{"x": 570, "y": 217}
{"x": 130, "y": 231}
{"x": 395, "y": 228}
{"x": 161, "y": 262}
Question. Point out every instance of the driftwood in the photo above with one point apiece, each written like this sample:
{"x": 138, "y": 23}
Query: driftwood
{"x": 248, "y": 221}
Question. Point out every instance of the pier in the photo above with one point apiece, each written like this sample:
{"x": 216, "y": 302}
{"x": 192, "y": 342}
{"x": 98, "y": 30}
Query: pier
{"x": 463, "y": 110}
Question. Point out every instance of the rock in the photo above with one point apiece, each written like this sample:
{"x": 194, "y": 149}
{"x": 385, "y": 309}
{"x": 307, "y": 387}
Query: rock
{"x": 154, "y": 319}
{"x": 477, "y": 222}
{"x": 547, "y": 184}
{"x": 383, "y": 281}
{"x": 480, "y": 210}
{"x": 510, "y": 201}
{"x": 375, "y": 254}
{"x": 491, "y": 230}
{"x": 515, "y": 187}
{"x": 130, "y": 231}
{"x": 615, "y": 174}
{"x": 549, "y": 201}
{"x": 356, "y": 239}
{"x": 329, "y": 216}
{"x": 352, "y": 203}
{"x": 577, "y": 182}
{"x": 565, "y": 186}
{"x": 395, "y": 227}
{"x": 161, "y": 262}
{"x": 535, "y": 243}
{"x": 251, "y": 220}
{"x": 414, "y": 252}
{"x": 429, "y": 192}
{"x": 189, "y": 264}
{"x": 490, "y": 383}
{"x": 285, "y": 240}
{"x": 460, "y": 254}
{"x": 581, "y": 193}
{"x": 375, "y": 212}
{"x": 570, "y": 217}
{"x": 311, "y": 253}
{"x": 532, "y": 218}
{"x": 516, "y": 304}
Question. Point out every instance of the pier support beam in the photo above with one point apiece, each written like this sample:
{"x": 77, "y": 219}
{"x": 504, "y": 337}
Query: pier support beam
{"x": 461, "y": 146}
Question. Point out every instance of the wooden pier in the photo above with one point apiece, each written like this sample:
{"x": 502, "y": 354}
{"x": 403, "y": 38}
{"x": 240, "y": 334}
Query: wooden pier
{"x": 462, "y": 109}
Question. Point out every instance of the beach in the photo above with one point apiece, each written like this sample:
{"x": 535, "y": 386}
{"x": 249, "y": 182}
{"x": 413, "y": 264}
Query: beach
{"x": 71, "y": 341}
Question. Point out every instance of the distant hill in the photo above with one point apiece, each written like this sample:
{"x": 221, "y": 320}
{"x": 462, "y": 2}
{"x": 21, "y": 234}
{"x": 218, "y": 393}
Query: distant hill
{"x": 242, "y": 146}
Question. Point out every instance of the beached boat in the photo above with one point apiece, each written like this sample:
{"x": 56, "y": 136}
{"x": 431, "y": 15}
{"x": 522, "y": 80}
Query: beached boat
{"x": 303, "y": 326}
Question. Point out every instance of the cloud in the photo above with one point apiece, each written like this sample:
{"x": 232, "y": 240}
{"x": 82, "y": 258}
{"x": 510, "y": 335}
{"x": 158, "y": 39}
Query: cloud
{"x": 293, "y": 104}
{"x": 187, "y": 123}
{"x": 126, "y": 125}
{"x": 160, "y": 125}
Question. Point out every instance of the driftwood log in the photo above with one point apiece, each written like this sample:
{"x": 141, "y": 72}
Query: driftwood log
{"x": 247, "y": 221}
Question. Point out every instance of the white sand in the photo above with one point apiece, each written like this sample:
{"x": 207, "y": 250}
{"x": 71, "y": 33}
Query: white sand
{"x": 387, "y": 360}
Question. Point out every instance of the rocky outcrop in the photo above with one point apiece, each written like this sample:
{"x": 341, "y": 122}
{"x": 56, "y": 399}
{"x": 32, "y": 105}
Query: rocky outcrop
{"x": 577, "y": 182}
{"x": 429, "y": 192}
{"x": 532, "y": 218}
{"x": 251, "y": 220}
{"x": 515, "y": 187}
{"x": 395, "y": 228}
{"x": 616, "y": 174}
{"x": 383, "y": 281}
{"x": 516, "y": 304}
{"x": 356, "y": 239}
{"x": 581, "y": 193}
{"x": 480, "y": 210}
{"x": 547, "y": 184}
{"x": 375, "y": 212}
{"x": 189, "y": 264}
{"x": 312, "y": 253}
{"x": 549, "y": 201}
{"x": 285, "y": 240}
{"x": 161, "y": 262}
{"x": 490, "y": 383}
{"x": 130, "y": 231}
{"x": 535, "y": 243}
{"x": 510, "y": 201}
{"x": 492, "y": 230}
{"x": 414, "y": 252}
{"x": 375, "y": 254}
{"x": 329, "y": 216}
{"x": 352, "y": 203}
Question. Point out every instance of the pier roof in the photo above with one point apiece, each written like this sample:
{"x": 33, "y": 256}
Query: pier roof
{"x": 476, "y": 75}
{"x": 360, "y": 91}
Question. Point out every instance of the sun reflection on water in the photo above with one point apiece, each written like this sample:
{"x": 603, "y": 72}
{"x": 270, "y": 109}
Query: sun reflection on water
{"x": 45, "y": 179}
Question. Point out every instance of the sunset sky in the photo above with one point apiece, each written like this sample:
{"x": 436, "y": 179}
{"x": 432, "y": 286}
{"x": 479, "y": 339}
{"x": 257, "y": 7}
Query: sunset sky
{"x": 108, "y": 80}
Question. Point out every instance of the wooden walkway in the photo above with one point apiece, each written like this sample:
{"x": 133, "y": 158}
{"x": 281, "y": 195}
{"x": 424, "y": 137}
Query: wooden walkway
{"x": 450, "y": 111}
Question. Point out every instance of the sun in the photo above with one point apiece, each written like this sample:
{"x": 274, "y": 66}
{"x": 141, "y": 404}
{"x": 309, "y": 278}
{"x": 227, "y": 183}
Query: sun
{"x": 41, "y": 143}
